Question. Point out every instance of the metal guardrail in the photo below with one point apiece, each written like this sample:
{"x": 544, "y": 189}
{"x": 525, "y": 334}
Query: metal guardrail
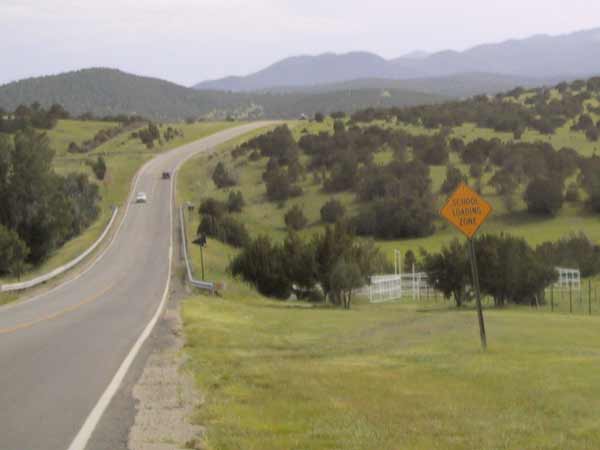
{"x": 62, "y": 269}
{"x": 204, "y": 285}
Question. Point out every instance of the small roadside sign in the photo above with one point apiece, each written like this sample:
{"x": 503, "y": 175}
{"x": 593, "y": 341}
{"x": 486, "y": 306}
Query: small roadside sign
{"x": 466, "y": 210}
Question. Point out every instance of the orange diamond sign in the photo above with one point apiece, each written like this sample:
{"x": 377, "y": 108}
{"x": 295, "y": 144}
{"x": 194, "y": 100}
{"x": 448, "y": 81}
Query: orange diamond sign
{"x": 466, "y": 210}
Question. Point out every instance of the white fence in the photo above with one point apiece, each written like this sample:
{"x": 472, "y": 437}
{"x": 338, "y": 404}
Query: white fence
{"x": 568, "y": 279}
{"x": 384, "y": 288}
{"x": 62, "y": 269}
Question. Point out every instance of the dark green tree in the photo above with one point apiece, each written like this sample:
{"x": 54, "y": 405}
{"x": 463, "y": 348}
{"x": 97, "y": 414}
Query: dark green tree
{"x": 222, "y": 177}
{"x": 544, "y": 196}
{"x": 295, "y": 219}
{"x": 332, "y": 211}
{"x": 453, "y": 178}
{"x": 449, "y": 271}
{"x": 235, "y": 201}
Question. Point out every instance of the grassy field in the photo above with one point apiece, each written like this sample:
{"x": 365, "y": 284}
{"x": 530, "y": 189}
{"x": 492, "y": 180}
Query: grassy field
{"x": 286, "y": 375}
{"x": 124, "y": 156}
{"x": 398, "y": 376}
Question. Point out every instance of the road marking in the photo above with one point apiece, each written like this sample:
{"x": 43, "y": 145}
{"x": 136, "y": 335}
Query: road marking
{"x": 85, "y": 433}
{"x": 57, "y": 314}
{"x": 99, "y": 257}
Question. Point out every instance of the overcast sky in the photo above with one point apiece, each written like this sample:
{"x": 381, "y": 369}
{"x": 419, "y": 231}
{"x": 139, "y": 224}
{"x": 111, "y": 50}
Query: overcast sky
{"x": 187, "y": 41}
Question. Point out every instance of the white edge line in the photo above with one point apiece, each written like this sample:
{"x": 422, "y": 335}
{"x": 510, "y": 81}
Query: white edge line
{"x": 98, "y": 258}
{"x": 85, "y": 433}
{"x": 15, "y": 287}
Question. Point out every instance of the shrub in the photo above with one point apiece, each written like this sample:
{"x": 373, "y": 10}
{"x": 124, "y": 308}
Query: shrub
{"x": 572, "y": 194}
{"x": 524, "y": 274}
{"x": 332, "y": 211}
{"x": 449, "y": 271}
{"x": 222, "y": 177}
{"x": 262, "y": 263}
{"x": 399, "y": 218}
{"x": 300, "y": 263}
{"x": 212, "y": 207}
{"x": 99, "y": 168}
{"x": 279, "y": 186}
{"x": 576, "y": 250}
{"x": 235, "y": 201}
{"x": 74, "y": 148}
{"x": 226, "y": 229}
{"x": 295, "y": 218}
{"x": 544, "y": 196}
{"x": 13, "y": 252}
{"x": 453, "y": 178}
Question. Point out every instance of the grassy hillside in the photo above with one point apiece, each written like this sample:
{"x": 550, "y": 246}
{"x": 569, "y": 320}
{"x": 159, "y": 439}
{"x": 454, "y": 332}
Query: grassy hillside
{"x": 262, "y": 216}
{"x": 108, "y": 92}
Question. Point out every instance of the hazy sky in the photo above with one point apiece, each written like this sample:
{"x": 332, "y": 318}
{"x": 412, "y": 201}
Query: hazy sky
{"x": 187, "y": 41}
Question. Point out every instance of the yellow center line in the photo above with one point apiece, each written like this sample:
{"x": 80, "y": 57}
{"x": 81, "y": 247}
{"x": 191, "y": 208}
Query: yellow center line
{"x": 57, "y": 314}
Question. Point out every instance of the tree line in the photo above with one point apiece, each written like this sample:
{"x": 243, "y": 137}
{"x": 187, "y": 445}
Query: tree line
{"x": 33, "y": 115}
{"x": 510, "y": 270}
{"x": 41, "y": 210}
{"x": 513, "y": 111}
{"x": 328, "y": 268}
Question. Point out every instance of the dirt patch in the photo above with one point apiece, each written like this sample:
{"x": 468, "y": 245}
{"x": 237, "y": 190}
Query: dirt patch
{"x": 166, "y": 398}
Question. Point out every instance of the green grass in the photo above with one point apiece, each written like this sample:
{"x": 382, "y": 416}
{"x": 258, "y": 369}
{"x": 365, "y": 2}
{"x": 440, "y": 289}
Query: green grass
{"x": 78, "y": 131}
{"x": 124, "y": 156}
{"x": 285, "y": 375}
{"x": 397, "y": 376}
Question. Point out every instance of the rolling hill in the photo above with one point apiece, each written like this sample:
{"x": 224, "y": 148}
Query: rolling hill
{"x": 455, "y": 86}
{"x": 104, "y": 92}
{"x": 538, "y": 58}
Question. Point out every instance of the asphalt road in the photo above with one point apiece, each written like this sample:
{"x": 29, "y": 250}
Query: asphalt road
{"x": 60, "y": 351}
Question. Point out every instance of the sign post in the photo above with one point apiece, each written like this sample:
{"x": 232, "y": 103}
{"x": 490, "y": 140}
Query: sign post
{"x": 467, "y": 210}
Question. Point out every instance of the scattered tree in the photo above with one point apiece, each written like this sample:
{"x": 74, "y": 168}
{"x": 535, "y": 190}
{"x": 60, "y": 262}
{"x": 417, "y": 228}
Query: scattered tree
{"x": 295, "y": 218}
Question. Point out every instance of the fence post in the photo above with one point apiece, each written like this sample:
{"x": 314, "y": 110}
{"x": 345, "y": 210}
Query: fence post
{"x": 570, "y": 298}
{"x": 552, "y": 298}
{"x": 590, "y": 297}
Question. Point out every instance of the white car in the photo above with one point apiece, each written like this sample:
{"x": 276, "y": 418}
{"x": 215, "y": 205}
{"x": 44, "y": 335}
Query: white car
{"x": 141, "y": 197}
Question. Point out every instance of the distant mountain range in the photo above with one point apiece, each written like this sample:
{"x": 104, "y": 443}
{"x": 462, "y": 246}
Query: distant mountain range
{"x": 110, "y": 92}
{"x": 324, "y": 83}
{"x": 533, "y": 60}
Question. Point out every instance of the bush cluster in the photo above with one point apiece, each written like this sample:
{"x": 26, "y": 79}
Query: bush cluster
{"x": 333, "y": 262}
{"x": 216, "y": 221}
{"x": 510, "y": 271}
{"x": 40, "y": 209}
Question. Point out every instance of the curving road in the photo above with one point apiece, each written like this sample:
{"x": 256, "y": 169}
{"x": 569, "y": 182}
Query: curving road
{"x": 60, "y": 353}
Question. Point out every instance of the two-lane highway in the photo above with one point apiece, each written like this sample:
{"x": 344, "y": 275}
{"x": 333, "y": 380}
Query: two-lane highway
{"x": 61, "y": 352}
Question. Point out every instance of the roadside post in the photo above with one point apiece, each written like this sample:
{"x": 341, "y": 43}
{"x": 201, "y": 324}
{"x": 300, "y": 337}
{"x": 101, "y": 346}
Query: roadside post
{"x": 202, "y": 242}
{"x": 466, "y": 210}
